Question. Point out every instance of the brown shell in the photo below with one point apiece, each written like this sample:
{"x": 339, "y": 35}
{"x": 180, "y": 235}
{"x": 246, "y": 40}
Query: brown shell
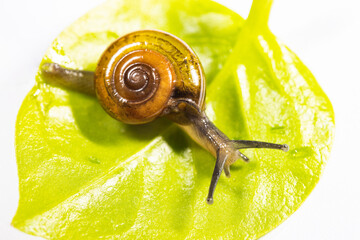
{"x": 141, "y": 73}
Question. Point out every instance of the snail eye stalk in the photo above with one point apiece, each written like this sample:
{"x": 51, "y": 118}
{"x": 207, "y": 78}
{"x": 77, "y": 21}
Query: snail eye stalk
{"x": 243, "y": 144}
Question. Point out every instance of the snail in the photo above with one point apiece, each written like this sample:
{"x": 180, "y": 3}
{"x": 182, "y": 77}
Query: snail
{"x": 149, "y": 74}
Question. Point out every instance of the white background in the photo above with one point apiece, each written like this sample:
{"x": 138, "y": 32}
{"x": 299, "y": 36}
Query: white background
{"x": 324, "y": 33}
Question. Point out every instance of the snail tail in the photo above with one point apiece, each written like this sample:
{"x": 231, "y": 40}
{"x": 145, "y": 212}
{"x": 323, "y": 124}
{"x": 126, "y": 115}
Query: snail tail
{"x": 77, "y": 80}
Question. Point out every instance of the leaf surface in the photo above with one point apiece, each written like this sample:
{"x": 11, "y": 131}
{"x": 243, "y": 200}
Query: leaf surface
{"x": 84, "y": 175}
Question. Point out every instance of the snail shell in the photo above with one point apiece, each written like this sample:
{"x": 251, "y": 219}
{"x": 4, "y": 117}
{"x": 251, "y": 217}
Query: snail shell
{"x": 140, "y": 73}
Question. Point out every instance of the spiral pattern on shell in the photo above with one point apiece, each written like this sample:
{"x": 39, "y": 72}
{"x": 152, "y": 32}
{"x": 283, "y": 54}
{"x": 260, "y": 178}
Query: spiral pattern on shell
{"x": 139, "y": 73}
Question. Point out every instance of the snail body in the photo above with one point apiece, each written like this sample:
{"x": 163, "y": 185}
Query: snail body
{"x": 149, "y": 74}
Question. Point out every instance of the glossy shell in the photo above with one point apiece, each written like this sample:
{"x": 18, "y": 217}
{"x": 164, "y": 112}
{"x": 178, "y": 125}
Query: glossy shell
{"x": 140, "y": 73}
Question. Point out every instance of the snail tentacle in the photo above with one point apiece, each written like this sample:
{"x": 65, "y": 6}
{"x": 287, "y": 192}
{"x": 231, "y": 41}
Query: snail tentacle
{"x": 221, "y": 158}
{"x": 243, "y": 144}
{"x": 245, "y": 158}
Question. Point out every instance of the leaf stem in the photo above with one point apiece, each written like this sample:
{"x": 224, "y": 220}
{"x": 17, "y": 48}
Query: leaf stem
{"x": 259, "y": 13}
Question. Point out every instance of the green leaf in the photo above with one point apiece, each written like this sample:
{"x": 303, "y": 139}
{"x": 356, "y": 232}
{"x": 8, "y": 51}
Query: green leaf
{"x": 84, "y": 175}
